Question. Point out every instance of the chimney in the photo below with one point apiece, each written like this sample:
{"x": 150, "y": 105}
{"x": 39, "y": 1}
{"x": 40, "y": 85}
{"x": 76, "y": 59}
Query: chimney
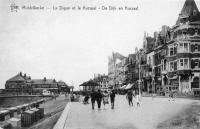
{"x": 45, "y": 78}
{"x": 20, "y": 73}
{"x": 54, "y": 80}
{"x": 25, "y": 76}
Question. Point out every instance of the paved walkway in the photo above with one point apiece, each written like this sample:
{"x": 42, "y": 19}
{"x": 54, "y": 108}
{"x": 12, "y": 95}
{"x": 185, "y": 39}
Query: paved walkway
{"x": 148, "y": 116}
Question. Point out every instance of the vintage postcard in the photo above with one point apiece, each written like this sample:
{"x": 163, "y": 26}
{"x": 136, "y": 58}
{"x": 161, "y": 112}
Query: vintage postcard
{"x": 99, "y": 64}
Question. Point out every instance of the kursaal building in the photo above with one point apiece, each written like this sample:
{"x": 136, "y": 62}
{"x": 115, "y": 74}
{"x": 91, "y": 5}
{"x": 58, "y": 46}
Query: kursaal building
{"x": 173, "y": 54}
{"x": 183, "y": 46}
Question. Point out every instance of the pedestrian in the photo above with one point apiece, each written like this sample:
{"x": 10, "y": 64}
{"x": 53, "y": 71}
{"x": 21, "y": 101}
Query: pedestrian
{"x": 86, "y": 98}
{"x": 171, "y": 96}
{"x": 112, "y": 99}
{"x": 93, "y": 98}
{"x": 138, "y": 100}
{"x": 105, "y": 98}
{"x": 99, "y": 99}
{"x": 129, "y": 96}
{"x": 72, "y": 97}
{"x": 153, "y": 96}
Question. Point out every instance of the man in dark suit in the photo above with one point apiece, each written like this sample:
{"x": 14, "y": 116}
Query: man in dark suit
{"x": 112, "y": 99}
{"x": 93, "y": 96}
{"x": 99, "y": 98}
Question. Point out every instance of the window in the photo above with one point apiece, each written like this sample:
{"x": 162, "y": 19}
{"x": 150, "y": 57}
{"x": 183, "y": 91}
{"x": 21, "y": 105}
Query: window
{"x": 186, "y": 47}
{"x": 171, "y": 66}
{"x": 181, "y": 62}
{"x": 181, "y": 46}
{"x": 186, "y": 63}
{"x": 149, "y": 60}
{"x": 196, "y": 63}
{"x": 196, "y": 47}
{"x": 175, "y": 65}
{"x": 171, "y": 51}
{"x": 175, "y": 50}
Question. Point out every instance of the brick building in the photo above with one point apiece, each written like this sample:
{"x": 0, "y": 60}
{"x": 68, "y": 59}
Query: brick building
{"x": 23, "y": 84}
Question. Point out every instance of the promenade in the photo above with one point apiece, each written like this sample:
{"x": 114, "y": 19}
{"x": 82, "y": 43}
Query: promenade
{"x": 148, "y": 116}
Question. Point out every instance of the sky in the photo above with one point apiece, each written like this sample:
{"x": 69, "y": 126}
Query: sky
{"x": 73, "y": 45}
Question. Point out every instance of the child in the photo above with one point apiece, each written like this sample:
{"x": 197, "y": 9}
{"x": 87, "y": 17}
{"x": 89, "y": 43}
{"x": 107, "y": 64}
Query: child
{"x": 138, "y": 100}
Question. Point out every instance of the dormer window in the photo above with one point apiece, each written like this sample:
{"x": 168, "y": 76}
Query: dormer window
{"x": 191, "y": 31}
{"x": 196, "y": 31}
{"x": 194, "y": 12}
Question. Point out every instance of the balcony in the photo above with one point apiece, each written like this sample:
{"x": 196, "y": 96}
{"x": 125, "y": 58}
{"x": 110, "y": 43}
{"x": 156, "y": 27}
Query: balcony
{"x": 184, "y": 72}
{"x": 183, "y": 55}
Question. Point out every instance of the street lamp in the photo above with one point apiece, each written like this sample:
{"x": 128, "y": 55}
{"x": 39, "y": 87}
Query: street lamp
{"x": 139, "y": 82}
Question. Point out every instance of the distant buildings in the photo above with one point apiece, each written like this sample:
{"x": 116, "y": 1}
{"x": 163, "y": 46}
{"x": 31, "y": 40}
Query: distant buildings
{"x": 122, "y": 70}
{"x": 131, "y": 69}
{"x": 183, "y": 50}
{"x": 168, "y": 61}
{"x": 98, "y": 82}
{"x": 24, "y": 84}
{"x": 175, "y": 54}
{"x": 116, "y": 71}
{"x": 102, "y": 81}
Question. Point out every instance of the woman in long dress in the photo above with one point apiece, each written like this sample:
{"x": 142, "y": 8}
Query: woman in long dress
{"x": 105, "y": 98}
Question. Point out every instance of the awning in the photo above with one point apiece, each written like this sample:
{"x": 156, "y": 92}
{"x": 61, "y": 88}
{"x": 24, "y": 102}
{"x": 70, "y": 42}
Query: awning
{"x": 123, "y": 87}
{"x": 196, "y": 89}
{"x": 174, "y": 77}
{"x": 129, "y": 86}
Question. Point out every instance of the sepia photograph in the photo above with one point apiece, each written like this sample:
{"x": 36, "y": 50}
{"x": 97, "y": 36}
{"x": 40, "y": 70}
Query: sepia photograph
{"x": 99, "y": 64}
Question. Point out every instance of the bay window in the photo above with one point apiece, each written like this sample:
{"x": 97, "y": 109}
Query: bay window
{"x": 183, "y": 64}
{"x": 172, "y": 50}
{"x": 195, "y": 63}
{"x": 183, "y": 47}
{"x": 195, "y": 47}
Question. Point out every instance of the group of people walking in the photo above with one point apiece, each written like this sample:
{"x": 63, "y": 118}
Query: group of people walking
{"x": 98, "y": 96}
{"x": 130, "y": 96}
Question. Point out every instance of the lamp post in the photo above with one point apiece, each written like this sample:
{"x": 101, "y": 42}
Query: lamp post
{"x": 139, "y": 83}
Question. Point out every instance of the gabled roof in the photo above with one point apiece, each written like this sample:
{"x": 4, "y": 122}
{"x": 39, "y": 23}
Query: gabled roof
{"x": 190, "y": 11}
{"x": 18, "y": 77}
{"x": 150, "y": 40}
{"x": 117, "y": 55}
{"x": 62, "y": 83}
{"x": 42, "y": 81}
{"x": 133, "y": 56}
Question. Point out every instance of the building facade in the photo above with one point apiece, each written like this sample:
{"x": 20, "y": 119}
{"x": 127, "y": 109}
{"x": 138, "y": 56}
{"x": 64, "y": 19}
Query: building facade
{"x": 23, "y": 84}
{"x": 116, "y": 74}
{"x": 173, "y": 55}
{"x": 184, "y": 50}
{"x": 131, "y": 70}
